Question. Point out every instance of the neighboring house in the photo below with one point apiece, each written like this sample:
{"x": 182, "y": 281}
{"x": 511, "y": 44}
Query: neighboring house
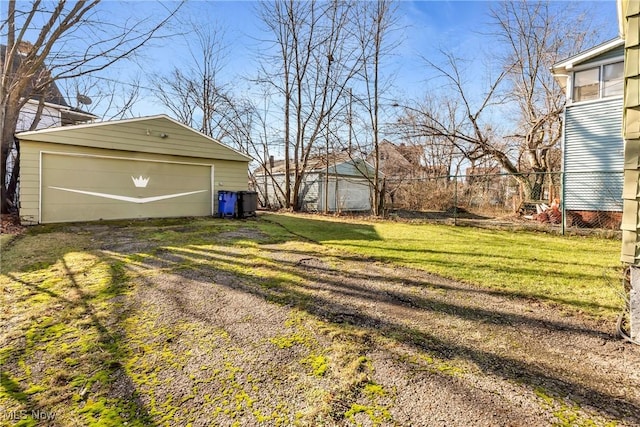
{"x": 55, "y": 110}
{"x": 342, "y": 184}
{"x": 136, "y": 168}
{"x": 593, "y": 148}
{"x": 400, "y": 162}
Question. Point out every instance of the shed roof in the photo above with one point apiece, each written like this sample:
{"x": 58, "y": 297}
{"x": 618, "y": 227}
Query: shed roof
{"x": 319, "y": 164}
{"x": 153, "y": 134}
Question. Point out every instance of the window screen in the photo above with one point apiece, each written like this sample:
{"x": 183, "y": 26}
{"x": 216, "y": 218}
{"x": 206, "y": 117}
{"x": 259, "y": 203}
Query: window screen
{"x": 586, "y": 85}
{"x": 612, "y": 80}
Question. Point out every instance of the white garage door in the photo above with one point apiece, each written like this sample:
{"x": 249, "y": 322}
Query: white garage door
{"x": 87, "y": 188}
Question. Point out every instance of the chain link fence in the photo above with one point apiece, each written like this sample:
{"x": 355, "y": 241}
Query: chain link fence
{"x": 557, "y": 200}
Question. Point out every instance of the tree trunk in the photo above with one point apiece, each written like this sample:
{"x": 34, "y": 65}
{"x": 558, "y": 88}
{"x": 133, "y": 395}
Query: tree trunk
{"x": 9, "y": 124}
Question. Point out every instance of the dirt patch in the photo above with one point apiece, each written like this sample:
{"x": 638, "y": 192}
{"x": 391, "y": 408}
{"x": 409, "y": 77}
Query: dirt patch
{"x": 10, "y": 224}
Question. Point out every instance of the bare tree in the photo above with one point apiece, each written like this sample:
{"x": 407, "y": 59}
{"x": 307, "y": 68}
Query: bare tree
{"x": 70, "y": 39}
{"x": 316, "y": 62}
{"x": 534, "y": 35}
{"x": 194, "y": 92}
{"x": 460, "y": 118}
{"x": 109, "y": 99}
{"x": 374, "y": 23}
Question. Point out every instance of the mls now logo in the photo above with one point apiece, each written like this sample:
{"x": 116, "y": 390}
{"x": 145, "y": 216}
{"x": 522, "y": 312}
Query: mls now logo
{"x": 36, "y": 414}
{"x": 140, "y": 182}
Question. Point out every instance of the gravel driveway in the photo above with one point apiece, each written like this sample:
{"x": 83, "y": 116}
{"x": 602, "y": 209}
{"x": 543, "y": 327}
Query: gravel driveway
{"x": 234, "y": 329}
{"x": 297, "y": 333}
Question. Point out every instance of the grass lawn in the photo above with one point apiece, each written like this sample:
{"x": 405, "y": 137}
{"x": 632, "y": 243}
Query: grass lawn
{"x": 70, "y": 329}
{"x": 579, "y": 273}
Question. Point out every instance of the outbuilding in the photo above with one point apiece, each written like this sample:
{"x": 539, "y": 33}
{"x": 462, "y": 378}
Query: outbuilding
{"x": 341, "y": 183}
{"x": 145, "y": 167}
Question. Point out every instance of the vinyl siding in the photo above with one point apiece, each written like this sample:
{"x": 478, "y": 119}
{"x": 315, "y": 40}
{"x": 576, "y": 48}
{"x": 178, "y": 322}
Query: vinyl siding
{"x": 352, "y": 195}
{"x": 228, "y": 175}
{"x": 348, "y": 194}
{"x": 140, "y": 136}
{"x": 594, "y": 156}
{"x": 612, "y": 54}
{"x": 310, "y": 192}
{"x": 50, "y": 117}
{"x": 630, "y": 252}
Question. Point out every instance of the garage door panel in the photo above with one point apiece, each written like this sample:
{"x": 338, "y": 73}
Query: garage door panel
{"x": 81, "y": 188}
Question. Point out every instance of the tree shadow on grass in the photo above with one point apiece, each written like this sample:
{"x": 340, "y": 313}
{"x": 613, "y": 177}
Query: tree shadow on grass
{"x": 324, "y": 293}
{"x": 363, "y": 236}
{"x": 74, "y": 309}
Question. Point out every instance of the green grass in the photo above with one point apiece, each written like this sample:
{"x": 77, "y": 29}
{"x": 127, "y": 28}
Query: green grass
{"x": 71, "y": 334}
{"x": 578, "y": 273}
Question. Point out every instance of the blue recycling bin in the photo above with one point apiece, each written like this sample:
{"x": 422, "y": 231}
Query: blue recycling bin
{"x": 227, "y": 203}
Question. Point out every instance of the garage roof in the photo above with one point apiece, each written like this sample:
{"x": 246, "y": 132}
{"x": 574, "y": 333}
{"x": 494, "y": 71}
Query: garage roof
{"x": 154, "y": 134}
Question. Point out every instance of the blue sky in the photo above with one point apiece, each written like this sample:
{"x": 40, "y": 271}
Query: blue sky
{"x": 426, "y": 27}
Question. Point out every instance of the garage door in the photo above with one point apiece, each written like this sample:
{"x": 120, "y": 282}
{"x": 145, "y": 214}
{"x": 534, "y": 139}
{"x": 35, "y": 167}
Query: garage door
{"x": 87, "y": 188}
{"x": 352, "y": 195}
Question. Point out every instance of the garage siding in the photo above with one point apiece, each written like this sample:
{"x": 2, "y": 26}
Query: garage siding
{"x": 228, "y": 176}
{"x": 156, "y": 135}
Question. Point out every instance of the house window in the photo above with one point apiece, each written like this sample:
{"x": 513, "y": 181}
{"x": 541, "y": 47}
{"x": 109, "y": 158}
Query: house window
{"x": 586, "y": 85}
{"x": 613, "y": 81}
{"x": 599, "y": 82}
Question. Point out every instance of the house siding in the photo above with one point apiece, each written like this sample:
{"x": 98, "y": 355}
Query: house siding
{"x": 605, "y": 56}
{"x": 353, "y": 192}
{"x": 630, "y": 252}
{"x": 349, "y": 194}
{"x": 310, "y": 192}
{"x": 50, "y": 117}
{"x": 593, "y": 156}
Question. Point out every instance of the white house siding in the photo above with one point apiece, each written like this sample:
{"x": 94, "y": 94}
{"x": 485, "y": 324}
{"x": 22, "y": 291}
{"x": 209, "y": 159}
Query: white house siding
{"x": 350, "y": 193}
{"x": 593, "y": 156}
{"x": 50, "y": 117}
{"x": 310, "y": 192}
{"x": 273, "y": 198}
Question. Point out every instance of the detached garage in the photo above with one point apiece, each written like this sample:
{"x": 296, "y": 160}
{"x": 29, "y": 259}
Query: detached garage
{"x": 137, "y": 168}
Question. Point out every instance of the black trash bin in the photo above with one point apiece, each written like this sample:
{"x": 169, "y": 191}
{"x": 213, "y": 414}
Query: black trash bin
{"x": 247, "y": 203}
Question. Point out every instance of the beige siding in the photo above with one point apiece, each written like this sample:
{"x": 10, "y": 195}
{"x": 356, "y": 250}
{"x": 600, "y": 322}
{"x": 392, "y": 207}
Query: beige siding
{"x": 631, "y": 129}
{"x": 141, "y": 136}
{"x": 228, "y": 176}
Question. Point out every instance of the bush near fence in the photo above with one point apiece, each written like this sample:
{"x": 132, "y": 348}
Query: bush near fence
{"x": 501, "y": 196}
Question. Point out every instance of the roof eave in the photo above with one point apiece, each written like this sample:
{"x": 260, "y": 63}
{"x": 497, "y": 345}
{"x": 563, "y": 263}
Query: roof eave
{"x": 25, "y": 135}
{"x": 567, "y": 64}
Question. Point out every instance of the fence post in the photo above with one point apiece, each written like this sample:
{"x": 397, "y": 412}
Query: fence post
{"x": 455, "y": 201}
{"x": 562, "y": 202}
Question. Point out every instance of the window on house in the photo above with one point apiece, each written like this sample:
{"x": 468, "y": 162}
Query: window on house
{"x": 599, "y": 82}
{"x": 586, "y": 84}
{"x": 613, "y": 79}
